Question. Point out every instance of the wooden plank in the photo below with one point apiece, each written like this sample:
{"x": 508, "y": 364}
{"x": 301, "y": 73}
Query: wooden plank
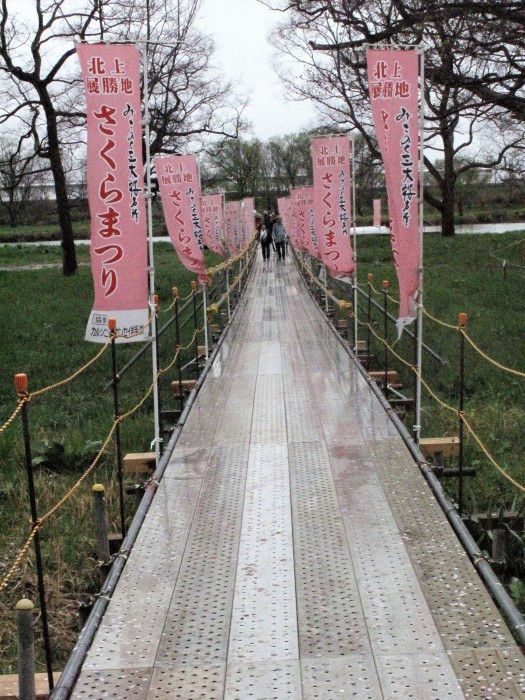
{"x": 9, "y": 686}
{"x": 361, "y": 345}
{"x": 446, "y": 446}
{"x": 391, "y": 376}
{"x": 139, "y": 462}
{"x": 511, "y": 518}
{"x": 186, "y": 384}
{"x": 342, "y": 323}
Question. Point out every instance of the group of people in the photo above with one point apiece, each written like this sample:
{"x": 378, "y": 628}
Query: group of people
{"x": 270, "y": 233}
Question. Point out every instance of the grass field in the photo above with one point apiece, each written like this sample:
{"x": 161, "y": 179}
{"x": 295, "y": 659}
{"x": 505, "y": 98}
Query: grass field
{"x": 42, "y": 324}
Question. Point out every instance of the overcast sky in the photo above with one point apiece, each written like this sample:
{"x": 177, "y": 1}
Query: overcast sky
{"x": 240, "y": 29}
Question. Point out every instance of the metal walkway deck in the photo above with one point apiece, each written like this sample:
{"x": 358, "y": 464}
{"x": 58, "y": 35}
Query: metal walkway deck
{"x": 293, "y": 549}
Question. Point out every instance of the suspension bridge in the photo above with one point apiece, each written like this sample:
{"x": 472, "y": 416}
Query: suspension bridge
{"x": 293, "y": 548}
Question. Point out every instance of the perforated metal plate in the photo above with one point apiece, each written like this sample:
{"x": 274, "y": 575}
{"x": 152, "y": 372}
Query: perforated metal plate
{"x": 264, "y": 619}
{"x": 331, "y": 620}
{"x": 120, "y": 684}
{"x": 270, "y": 358}
{"x": 237, "y": 413}
{"x": 129, "y": 634}
{"x": 462, "y": 608}
{"x": 279, "y": 680}
{"x": 188, "y": 683}
{"x": 198, "y": 621}
{"x": 351, "y": 676}
{"x": 490, "y": 673}
{"x": 418, "y": 676}
{"x": 269, "y": 420}
{"x": 302, "y": 417}
{"x": 187, "y": 463}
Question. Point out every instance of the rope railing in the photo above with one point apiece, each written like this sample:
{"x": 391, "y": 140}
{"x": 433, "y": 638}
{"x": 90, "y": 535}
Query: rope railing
{"x": 29, "y": 396}
{"x": 443, "y": 404}
{"x": 459, "y": 327}
{"x": 15, "y": 413}
{"x": 506, "y": 263}
{"x": 38, "y": 525}
{"x": 456, "y": 327}
{"x": 24, "y": 551}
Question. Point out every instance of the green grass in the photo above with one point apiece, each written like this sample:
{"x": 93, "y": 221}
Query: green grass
{"x": 42, "y": 232}
{"x": 26, "y": 233}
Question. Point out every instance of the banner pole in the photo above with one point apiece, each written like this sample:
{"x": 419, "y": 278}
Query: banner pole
{"x": 354, "y": 231}
{"x": 417, "y": 426}
{"x": 151, "y": 267}
{"x": 205, "y": 312}
{"x": 228, "y": 291}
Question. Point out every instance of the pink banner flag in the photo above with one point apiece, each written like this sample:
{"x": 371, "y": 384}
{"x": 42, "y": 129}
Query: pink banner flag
{"x": 294, "y": 236}
{"x": 302, "y": 202}
{"x": 212, "y": 218}
{"x": 232, "y": 218}
{"x": 248, "y": 219}
{"x": 115, "y": 176}
{"x": 331, "y": 160}
{"x": 180, "y": 190}
{"x": 284, "y": 207}
{"x": 393, "y": 76}
{"x": 237, "y": 227}
{"x": 377, "y": 213}
{"x": 298, "y": 232}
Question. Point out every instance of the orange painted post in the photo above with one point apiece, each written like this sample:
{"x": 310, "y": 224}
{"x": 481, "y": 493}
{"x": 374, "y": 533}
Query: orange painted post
{"x": 416, "y": 428}
{"x": 228, "y": 292}
{"x": 21, "y": 385}
{"x": 462, "y": 322}
{"x": 156, "y": 336}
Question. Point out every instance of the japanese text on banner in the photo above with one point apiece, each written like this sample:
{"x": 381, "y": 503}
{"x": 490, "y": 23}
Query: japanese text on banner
{"x": 331, "y": 160}
{"x": 115, "y": 177}
{"x": 302, "y": 202}
{"x": 179, "y": 187}
{"x": 393, "y": 78}
{"x": 212, "y": 217}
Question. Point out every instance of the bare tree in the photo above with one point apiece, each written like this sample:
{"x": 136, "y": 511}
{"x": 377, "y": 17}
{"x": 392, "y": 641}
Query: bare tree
{"x": 289, "y": 160}
{"x": 326, "y": 40}
{"x": 236, "y": 168}
{"x": 36, "y": 79}
{"x": 190, "y": 103}
{"x": 19, "y": 175}
{"x": 494, "y": 35}
{"x": 41, "y": 89}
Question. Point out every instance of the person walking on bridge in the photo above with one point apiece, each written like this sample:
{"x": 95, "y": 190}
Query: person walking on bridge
{"x": 279, "y": 237}
{"x": 264, "y": 237}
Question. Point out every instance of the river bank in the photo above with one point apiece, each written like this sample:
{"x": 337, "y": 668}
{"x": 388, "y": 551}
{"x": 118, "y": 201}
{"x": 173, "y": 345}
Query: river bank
{"x": 360, "y": 231}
